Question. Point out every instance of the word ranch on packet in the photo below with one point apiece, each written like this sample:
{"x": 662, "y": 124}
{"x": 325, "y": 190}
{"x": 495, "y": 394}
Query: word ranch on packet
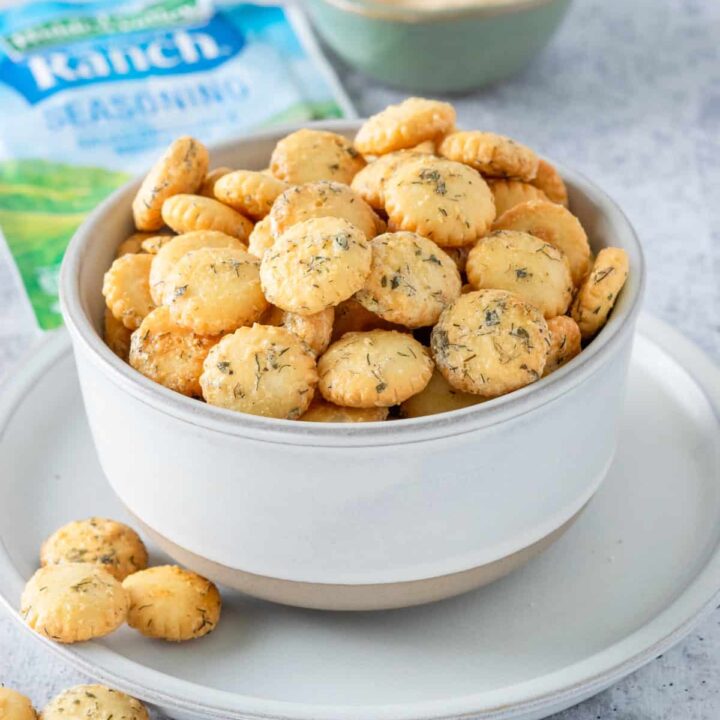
{"x": 92, "y": 91}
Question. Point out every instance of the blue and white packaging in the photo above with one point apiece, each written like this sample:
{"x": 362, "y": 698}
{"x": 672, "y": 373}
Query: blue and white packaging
{"x": 91, "y": 91}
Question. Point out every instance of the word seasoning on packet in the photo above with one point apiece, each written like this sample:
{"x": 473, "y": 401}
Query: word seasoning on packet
{"x": 92, "y": 91}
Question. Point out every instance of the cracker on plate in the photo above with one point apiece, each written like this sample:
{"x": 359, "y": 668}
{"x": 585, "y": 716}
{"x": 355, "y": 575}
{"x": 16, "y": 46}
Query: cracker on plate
{"x": 73, "y": 602}
{"x": 110, "y": 544}
{"x": 170, "y": 603}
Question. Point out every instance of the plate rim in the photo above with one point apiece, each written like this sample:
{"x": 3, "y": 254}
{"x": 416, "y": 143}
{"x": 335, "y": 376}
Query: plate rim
{"x": 560, "y": 688}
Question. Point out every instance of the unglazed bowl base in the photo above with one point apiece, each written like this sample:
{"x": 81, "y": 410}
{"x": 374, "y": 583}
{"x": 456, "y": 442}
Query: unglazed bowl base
{"x": 380, "y": 596}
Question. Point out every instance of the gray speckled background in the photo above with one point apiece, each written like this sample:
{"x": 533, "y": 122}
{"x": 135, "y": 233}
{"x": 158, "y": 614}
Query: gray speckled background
{"x": 629, "y": 94}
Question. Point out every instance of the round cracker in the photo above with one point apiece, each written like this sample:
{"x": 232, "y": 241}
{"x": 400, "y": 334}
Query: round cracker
{"x": 369, "y": 183}
{"x": 181, "y": 169}
{"x": 409, "y": 123}
{"x": 116, "y": 335}
{"x": 314, "y": 330}
{"x": 565, "y": 342}
{"x": 554, "y": 224}
{"x": 93, "y": 702}
{"x": 445, "y": 201}
{"x": 262, "y": 370}
{"x": 378, "y": 368}
{"x": 490, "y": 342}
{"x": 126, "y": 288}
{"x": 261, "y": 238}
{"x": 73, "y": 602}
{"x": 15, "y": 706}
{"x": 323, "y": 411}
{"x": 315, "y": 264}
{"x": 524, "y": 265}
{"x": 598, "y": 293}
{"x": 170, "y": 354}
{"x": 411, "y": 280}
{"x": 215, "y": 290}
{"x": 548, "y": 180}
{"x": 322, "y": 199}
{"x": 509, "y": 193}
{"x": 248, "y": 192}
{"x": 112, "y": 545}
{"x": 168, "y": 255}
{"x": 308, "y": 155}
{"x": 438, "y": 396}
{"x": 491, "y": 154}
{"x": 188, "y": 213}
{"x": 170, "y": 603}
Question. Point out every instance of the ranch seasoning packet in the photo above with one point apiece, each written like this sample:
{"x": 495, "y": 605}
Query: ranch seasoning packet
{"x": 92, "y": 91}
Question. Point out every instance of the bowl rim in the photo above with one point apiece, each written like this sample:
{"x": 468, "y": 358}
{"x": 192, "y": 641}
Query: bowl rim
{"x": 407, "y": 430}
{"x": 403, "y": 13}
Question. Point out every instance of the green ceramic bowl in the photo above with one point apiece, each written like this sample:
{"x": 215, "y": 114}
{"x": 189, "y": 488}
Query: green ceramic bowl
{"x": 439, "y": 50}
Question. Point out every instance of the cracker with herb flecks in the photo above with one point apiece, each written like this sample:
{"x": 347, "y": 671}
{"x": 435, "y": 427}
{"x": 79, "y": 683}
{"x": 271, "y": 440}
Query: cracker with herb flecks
{"x": 445, "y": 201}
{"x": 404, "y": 125}
{"x": 597, "y": 295}
{"x": 411, "y": 280}
{"x": 215, "y": 290}
{"x": 490, "y": 342}
{"x": 181, "y": 169}
{"x": 308, "y": 155}
{"x": 93, "y": 702}
{"x": 524, "y": 265}
{"x": 319, "y": 200}
{"x": 249, "y": 192}
{"x": 554, "y": 224}
{"x": 187, "y": 213}
{"x": 369, "y": 183}
{"x": 262, "y": 370}
{"x": 168, "y": 255}
{"x": 73, "y": 602}
{"x": 378, "y": 368}
{"x": 99, "y": 541}
{"x": 490, "y": 154}
{"x": 316, "y": 264}
{"x": 126, "y": 288}
{"x": 170, "y": 354}
{"x": 170, "y": 603}
{"x": 565, "y": 342}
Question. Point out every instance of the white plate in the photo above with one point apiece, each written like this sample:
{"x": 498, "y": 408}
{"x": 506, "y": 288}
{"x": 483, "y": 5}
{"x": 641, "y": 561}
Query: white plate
{"x": 638, "y": 569}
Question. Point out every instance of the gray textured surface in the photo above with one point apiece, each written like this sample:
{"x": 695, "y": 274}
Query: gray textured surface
{"x": 628, "y": 93}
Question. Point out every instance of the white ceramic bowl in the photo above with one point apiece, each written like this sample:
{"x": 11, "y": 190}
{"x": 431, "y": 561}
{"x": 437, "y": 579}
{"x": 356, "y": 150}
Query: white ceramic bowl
{"x": 351, "y": 516}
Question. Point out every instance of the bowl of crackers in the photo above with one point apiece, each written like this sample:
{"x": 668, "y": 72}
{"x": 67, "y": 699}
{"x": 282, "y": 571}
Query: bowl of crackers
{"x": 356, "y": 365}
